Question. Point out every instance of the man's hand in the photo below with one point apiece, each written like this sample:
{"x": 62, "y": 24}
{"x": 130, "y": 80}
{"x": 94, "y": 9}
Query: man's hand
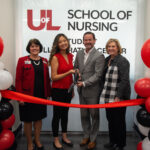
{"x": 79, "y": 83}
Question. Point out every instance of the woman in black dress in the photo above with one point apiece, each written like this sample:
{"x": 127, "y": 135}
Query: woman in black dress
{"x": 32, "y": 78}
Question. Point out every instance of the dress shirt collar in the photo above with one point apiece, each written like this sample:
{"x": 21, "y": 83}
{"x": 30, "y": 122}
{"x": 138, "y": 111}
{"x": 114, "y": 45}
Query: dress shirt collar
{"x": 89, "y": 51}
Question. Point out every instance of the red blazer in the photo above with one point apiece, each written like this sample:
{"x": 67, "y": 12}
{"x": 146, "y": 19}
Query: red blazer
{"x": 25, "y": 77}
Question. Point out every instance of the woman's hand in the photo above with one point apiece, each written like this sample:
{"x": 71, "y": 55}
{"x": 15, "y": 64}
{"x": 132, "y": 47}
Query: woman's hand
{"x": 117, "y": 99}
{"x": 72, "y": 71}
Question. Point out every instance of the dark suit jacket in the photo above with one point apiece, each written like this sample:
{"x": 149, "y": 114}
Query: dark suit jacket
{"x": 25, "y": 76}
{"x": 123, "y": 65}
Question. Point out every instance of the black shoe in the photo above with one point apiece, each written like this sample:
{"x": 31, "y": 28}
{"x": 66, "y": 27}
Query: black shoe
{"x": 57, "y": 148}
{"x": 36, "y": 147}
{"x": 109, "y": 145}
{"x": 68, "y": 144}
{"x": 39, "y": 148}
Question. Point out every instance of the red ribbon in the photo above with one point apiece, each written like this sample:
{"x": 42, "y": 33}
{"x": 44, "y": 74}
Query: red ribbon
{"x": 26, "y": 98}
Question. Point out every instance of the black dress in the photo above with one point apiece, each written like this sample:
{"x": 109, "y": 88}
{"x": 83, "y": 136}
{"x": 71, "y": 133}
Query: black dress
{"x": 34, "y": 112}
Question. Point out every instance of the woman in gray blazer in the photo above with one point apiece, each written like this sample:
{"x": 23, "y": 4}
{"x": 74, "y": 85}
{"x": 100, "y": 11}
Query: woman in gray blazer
{"x": 116, "y": 88}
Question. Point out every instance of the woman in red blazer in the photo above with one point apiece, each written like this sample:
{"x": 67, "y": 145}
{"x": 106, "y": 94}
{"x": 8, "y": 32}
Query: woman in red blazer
{"x": 32, "y": 78}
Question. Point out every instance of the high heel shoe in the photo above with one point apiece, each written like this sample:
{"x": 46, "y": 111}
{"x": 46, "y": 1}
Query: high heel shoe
{"x": 36, "y": 147}
{"x": 57, "y": 148}
{"x": 68, "y": 144}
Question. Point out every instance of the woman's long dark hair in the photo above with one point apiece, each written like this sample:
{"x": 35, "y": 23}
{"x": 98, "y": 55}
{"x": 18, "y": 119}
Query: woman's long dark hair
{"x": 55, "y": 48}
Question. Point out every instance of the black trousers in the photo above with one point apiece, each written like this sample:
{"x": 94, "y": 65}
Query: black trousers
{"x": 60, "y": 113}
{"x": 117, "y": 125}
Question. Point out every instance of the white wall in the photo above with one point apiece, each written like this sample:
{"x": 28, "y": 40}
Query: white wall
{"x": 147, "y": 21}
{"x": 7, "y": 33}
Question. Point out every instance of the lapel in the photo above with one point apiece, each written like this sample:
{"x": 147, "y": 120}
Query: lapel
{"x": 87, "y": 61}
{"x": 82, "y": 58}
{"x": 90, "y": 57}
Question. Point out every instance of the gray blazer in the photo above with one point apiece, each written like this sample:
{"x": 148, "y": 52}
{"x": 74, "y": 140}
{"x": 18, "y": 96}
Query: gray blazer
{"x": 91, "y": 72}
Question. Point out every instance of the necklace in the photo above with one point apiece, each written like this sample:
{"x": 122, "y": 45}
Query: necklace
{"x": 36, "y": 63}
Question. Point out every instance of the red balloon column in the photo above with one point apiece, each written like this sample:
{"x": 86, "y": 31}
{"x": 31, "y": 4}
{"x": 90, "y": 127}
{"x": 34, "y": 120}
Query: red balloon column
{"x": 7, "y": 119}
{"x": 142, "y": 88}
{"x": 145, "y": 54}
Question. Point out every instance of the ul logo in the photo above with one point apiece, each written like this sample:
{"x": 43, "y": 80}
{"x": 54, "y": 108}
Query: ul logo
{"x": 45, "y": 20}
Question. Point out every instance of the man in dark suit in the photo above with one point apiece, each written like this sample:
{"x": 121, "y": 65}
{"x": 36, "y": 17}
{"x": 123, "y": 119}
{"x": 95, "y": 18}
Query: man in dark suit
{"x": 90, "y": 63}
